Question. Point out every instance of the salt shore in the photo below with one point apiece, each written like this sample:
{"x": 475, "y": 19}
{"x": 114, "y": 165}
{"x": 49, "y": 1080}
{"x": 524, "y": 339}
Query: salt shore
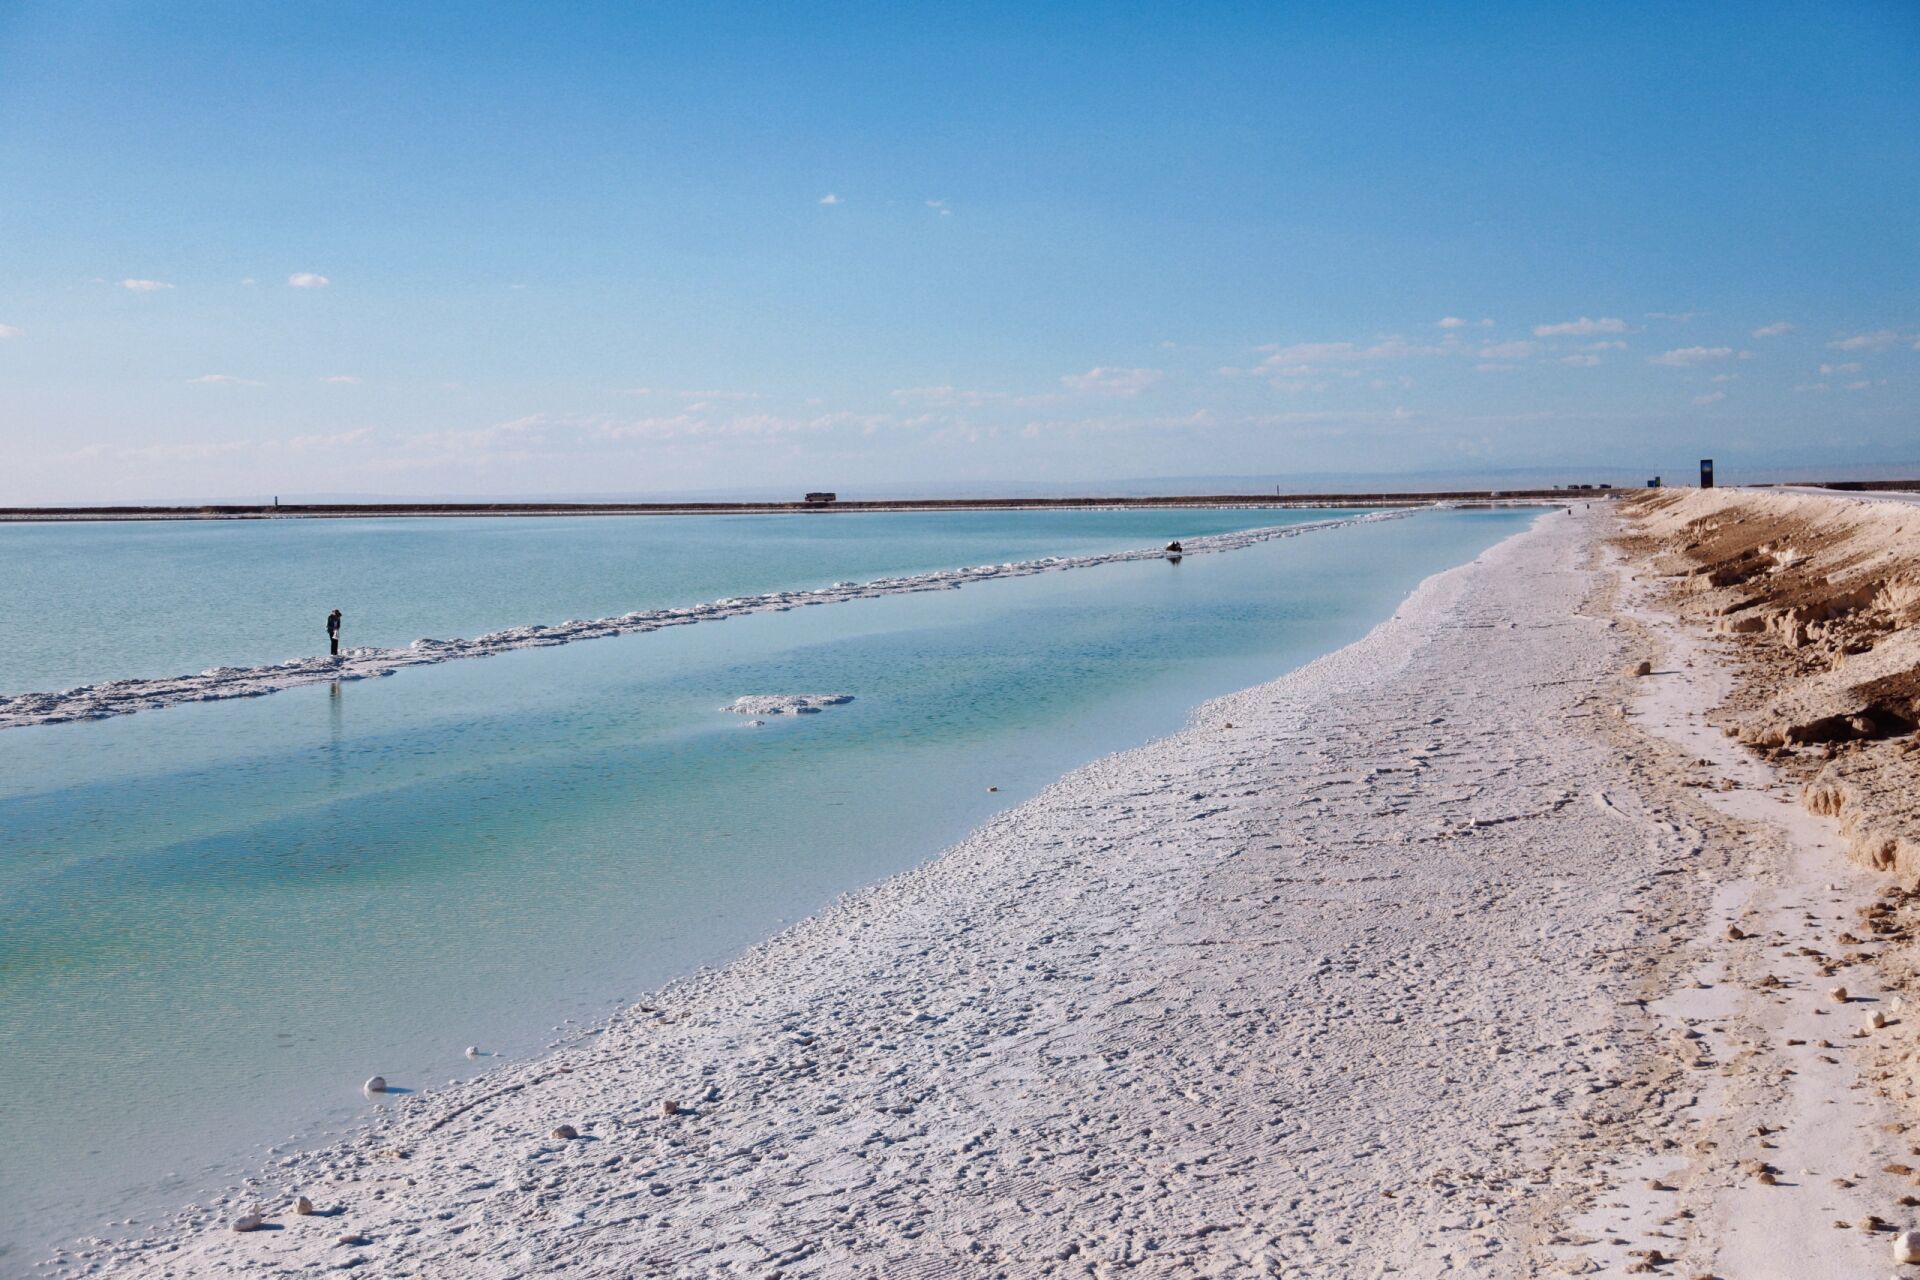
{"x": 121, "y": 697}
{"x": 1417, "y": 961}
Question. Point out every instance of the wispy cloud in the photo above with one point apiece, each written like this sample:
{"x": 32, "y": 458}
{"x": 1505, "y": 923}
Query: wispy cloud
{"x": 1113, "y": 381}
{"x": 308, "y": 280}
{"x": 829, "y": 198}
{"x": 1300, "y": 366}
{"x": 342, "y": 379}
{"x": 10, "y": 331}
{"x": 721, "y": 395}
{"x": 947, "y": 395}
{"x": 1878, "y": 340}
{"x": 222, "y": 380}
{"x": 1580, "y": 362}
{"x": 207, "y": 450}
{"x": 338, "y": 440}
{"x": 247, "y": 280}
{"x": 1712, "y": 397}
{"x": 1343, "y": 352}
{"x": 1678, "y": 317}
{"x": 1521, "y": 350}
{"x": 145, "y": 286}
{"x": 1851, "y": 366}
{"x": 1451, "y": 322}
{"x": 940, "y": 205}
{"x": 1773, "y": 330}
{"x": 1583, "y": 327}
{"x": 1688, "y": 357}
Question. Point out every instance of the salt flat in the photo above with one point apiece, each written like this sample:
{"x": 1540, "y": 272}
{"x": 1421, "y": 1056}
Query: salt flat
{"x": 1370, "y": 971}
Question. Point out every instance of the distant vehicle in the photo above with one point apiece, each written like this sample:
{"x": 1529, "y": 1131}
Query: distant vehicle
{"x": 821, "y": 499}
{"x": 1654, "y": 483}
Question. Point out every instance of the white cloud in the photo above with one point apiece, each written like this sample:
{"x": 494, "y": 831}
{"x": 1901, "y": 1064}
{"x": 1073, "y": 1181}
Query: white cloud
{"x": 688, "y": 425}
{"x": 1723, "y": 377}
{"x": 308, "y": 280}
{"x": 701, "y": 401}
{"x": 1851, "y": 366}
{"x": 1773, "y": 330}
{"x": 223, "y": 380}
{"x": 946, "y": 395}
{"x": 1678, "y": 317}
{"x": 1687, "y": 357}
{"x": 634, "y": 391}
{"x": 829, "y": 198}
{"x": 1812, "y": 386}
{"x": 941, "y": 205}
{"x": 1521, "y": 350}
{"x": 1879, "y": 340}
{"x": 246, "y": 280}
{"x": 10, "y": 331}
{"x": 1451, "y": 322}
{"x": 145, "y": 286}
{"x": 342, "y": 379}
{"x": 1493, "y": 367}
{"x": 1712, "y": 397}
{"x": 1298, "y": 365}
{"x": 1858, "y": 386}
{"x": 1112, "y": 381}
{"x": 1342, "y": 352}
{"x": 1581, "y": 328}
{"x": 1582, "y": 362}
{"x": 336, "y": 441}
{"x": 1607, "y": 345}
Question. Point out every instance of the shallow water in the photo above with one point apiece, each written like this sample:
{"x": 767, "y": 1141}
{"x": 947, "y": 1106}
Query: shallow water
{"x": 86, "y": 602}
{"x": 217, "y": 920}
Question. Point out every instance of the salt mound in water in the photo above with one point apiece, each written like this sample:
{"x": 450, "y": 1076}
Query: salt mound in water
{"x": 786, "y": 704}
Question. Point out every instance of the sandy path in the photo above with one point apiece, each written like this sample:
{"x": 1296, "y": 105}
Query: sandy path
{"x": 1778, "y": 1067}
{"x": 1368, "y": 972}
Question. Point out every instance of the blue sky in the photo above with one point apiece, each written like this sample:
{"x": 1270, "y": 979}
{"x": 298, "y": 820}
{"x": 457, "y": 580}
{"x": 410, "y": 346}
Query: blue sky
{"x": 439, "y": 249}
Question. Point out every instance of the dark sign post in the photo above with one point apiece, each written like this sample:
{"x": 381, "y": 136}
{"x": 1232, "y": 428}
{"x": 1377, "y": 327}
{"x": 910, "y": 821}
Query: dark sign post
{"x": 1706, "y": 473}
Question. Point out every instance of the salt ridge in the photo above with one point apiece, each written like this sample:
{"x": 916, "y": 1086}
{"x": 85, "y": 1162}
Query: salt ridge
{"x": 123, "y": 697}
{"x": 785, "y": 704}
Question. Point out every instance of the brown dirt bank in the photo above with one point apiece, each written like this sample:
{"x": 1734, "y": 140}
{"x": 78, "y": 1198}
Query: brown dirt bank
{"x": 1818, "y": 602}
{"x": 1820, "y": 598}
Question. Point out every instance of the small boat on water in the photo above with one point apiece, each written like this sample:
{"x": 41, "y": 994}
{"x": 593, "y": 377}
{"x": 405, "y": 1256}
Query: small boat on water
{"x": 1174, "y": 552}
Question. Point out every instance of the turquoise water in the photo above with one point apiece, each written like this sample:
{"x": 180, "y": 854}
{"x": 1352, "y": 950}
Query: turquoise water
{"x": 218, "y": 919}
{"x": 90, "y": 602}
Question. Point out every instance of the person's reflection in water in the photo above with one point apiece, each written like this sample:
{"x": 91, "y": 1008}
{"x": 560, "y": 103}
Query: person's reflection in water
{"x": 336, "y": 769}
